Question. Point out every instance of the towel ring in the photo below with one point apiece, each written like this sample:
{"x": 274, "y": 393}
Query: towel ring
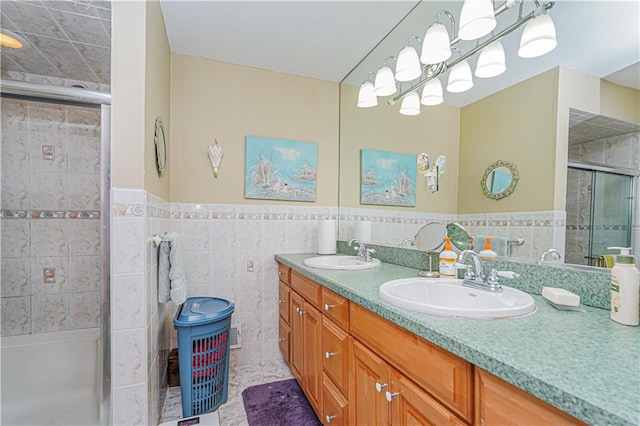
{"x": 156, "y": 240}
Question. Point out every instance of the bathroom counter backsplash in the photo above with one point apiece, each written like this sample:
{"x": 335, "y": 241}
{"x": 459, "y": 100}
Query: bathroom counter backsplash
{"x": 572, "y": 360}
{"x": 593, "y": 287}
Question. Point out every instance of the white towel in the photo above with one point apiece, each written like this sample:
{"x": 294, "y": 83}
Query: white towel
{"x": 499, "y": 244}
{"x": 172, "y": 284}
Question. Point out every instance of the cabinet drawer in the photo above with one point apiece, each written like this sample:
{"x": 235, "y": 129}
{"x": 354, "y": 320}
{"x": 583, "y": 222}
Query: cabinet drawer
{"x": 284, "y": 339}
{"x": 447, "y": 377}
{"x": 284, "y": 273}
{"x": 336, "y": 409}
{"x": 499, "y": 402}
{"x": 335, "y": 307}
{"x": 335, "y": 360}
{"x": 307, "y": 289}
{"x": 283, "y": 301}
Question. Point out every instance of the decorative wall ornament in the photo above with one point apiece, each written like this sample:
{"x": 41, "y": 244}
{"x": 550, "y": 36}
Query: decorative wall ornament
{"x": 278, "y": 169}
{"x": 215, "y": 156}
{"x": 431, "y": 173}
{"x": 161, "y": 146}
{"x": 499, "y": 180}
{"x": 387, "y": 178}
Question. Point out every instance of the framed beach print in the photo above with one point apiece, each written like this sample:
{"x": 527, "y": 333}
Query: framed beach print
{"x": 278, "y": 169}
{"x": 387, "y": 178}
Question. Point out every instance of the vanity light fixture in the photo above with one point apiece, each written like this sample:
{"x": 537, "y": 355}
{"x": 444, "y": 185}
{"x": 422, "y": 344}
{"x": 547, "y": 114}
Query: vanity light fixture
{"x": 477, "y": 20}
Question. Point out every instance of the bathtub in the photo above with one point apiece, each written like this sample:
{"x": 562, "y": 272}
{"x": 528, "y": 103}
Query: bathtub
{"x": 51, "y": 378}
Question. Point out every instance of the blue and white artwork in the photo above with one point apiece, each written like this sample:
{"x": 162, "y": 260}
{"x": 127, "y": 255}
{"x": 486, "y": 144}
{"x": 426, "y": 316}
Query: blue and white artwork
{"x": 387, "y": 178}
{"x": 279, "y": 169}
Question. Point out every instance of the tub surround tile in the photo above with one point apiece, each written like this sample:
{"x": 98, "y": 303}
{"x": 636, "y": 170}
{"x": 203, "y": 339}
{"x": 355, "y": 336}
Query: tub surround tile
{"x": 130, "y": 357}
{"x": 15, "y": 315}
{"x": 555, "y": 355}
{"x": 84, "y": 238}
{"x": 84, "y": 309}
{"x": 84, "y": 273}
{"x": 49, "y": 275}
{"x": 129, "y": 406}
{"x": 16, "y": 277}
{"x": 83, "y": 192}
{"x": 49, "y": 237}
{"x": 49, "y": 313}
{"x": 83, "y": 155}
{"x": 16, "y": 238}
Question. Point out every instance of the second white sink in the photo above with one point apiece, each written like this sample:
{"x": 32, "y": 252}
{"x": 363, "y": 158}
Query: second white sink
{"x": 340, "y": 262}
{"x": 441, "y": 296}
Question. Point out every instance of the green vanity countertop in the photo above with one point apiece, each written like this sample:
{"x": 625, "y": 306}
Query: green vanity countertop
{"x": 583, "y": 363}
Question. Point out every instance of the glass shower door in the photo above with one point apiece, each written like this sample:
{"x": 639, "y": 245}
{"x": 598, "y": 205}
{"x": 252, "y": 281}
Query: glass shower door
{"x": 611, "y": 203}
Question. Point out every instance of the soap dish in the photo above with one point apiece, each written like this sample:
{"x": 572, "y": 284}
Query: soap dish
{"x": 579, "y": 308}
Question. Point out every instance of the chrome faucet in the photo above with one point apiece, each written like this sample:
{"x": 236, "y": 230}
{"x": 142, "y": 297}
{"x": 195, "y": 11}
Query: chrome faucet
{"x": 407, "y": 242}
{"x": 474, "y": 276}
{"x": 364, "y": 253}
{"x": 555, "y": 255}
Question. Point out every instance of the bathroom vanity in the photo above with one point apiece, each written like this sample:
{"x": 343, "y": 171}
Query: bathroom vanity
{"x": 361, "y": 360}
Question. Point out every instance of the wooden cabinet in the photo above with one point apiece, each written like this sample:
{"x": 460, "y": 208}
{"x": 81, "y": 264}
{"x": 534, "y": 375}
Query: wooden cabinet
{"x": 447, "y": 377}
{"x": 334, "y": 404}
{"x": 296, "y": 303}
{"x": 335, "y": 360}
{"x": 284, "y": 339}
{"x": 501, "y": 403}
{"x": 369, "y": 381}
{"x": 284, "y": 327}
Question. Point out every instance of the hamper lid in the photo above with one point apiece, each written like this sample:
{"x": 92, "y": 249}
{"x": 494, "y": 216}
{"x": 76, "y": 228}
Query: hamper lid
{"x": 198, "y": 310}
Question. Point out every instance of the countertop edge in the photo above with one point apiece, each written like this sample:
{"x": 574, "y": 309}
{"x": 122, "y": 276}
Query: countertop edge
{"x": 571, "y": 404}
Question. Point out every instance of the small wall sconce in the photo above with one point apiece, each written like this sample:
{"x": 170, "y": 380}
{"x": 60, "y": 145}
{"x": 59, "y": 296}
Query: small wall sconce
{"x": 431, "y": 173}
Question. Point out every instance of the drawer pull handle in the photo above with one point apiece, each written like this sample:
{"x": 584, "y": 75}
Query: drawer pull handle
{"x": 297, "y": 309}
{"x": 329, "y": 418}
{"x": 327, "y": 306}
{"x": 328, "y": 355}
{"x": 380, "y": 386}
{"x": 391, "y": 396}
{"x": 282, "y": 339}
{"x": 280, "y": 273}
{"x": 281, "y": 302}
{"x": 301, "y": 312}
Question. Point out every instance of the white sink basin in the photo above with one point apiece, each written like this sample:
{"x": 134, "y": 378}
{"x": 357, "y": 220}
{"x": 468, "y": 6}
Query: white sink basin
{"x": 340, "y": 262}
{"x": 441, "y": 296}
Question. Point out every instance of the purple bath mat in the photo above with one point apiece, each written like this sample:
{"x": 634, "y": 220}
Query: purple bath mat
{"x": 278, "y": 404}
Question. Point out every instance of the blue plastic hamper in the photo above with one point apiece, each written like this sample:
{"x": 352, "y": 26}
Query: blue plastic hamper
{"x": 203, "y": 325}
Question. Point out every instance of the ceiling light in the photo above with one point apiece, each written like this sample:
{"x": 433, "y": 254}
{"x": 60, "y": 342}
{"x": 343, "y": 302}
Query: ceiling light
{"x": 385, "y": 83}
{"x": 460, "y": 79}
{"x": 366, "y": 97}
{"x": 432, "y": 93}
{"x": 491, "y": 61}
{"x": 436, "y": 45}
{"x": 12, "y": 40}
{"x": 410, "y": 104}
{"x": 538, "y": 37}
{"x": 477, "y": 19}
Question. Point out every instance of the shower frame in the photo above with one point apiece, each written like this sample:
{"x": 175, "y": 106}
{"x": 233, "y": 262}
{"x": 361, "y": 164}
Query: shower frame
{"x": 92, "y": 99}
{"x": 594, "y": 168}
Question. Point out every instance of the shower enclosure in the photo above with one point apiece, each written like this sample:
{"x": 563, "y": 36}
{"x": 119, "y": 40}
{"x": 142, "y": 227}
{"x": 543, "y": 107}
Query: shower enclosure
{"x": 599, "y": 211}
{"x": 55, "y": 255}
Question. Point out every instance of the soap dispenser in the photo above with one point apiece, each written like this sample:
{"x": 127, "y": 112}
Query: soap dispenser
{"x": 447, "y": 260}
{"x": 625, "y": 288}
{"x": 488, "y": 253}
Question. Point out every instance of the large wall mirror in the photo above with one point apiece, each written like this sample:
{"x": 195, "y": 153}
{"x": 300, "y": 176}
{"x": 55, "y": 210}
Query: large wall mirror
{"x": 525, "y": 116}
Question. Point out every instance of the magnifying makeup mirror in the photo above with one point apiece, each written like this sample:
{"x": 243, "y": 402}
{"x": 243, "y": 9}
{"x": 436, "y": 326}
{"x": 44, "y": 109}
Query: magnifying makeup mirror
{"x": 430, "y": 239}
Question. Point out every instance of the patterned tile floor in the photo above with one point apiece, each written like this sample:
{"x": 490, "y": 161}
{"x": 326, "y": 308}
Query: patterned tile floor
{"x": 232, "y": 413}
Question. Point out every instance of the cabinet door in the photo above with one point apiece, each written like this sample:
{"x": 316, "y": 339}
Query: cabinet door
{"x": 334, "y": 406}
{"x": 283, "y": 301}
{"x": 500, "y": 403}
{"x": 312, "y": 364}
{"x": 295, "y": 347}
{"x": 335, "y": 361}
{"x": 410, "y": 405}
{"x": 284, "y": 340}
{"x": 367, "y": 387}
